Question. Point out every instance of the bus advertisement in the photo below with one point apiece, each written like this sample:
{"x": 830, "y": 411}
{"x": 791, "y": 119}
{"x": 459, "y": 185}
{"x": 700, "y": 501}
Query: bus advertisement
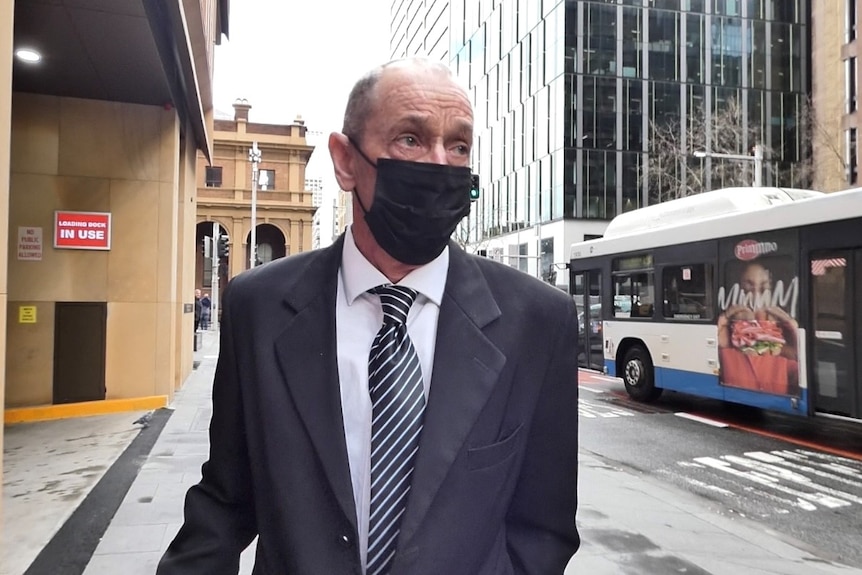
{"x": 747, "y": 295}
{"x": 758, "y": 300}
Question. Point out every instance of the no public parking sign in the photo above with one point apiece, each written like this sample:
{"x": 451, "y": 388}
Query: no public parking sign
{"x": 82, "y": 230}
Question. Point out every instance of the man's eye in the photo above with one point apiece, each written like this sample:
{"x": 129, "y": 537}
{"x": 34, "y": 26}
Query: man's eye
{"x": 409, "y": 141}
{"x": 462, "y": 149}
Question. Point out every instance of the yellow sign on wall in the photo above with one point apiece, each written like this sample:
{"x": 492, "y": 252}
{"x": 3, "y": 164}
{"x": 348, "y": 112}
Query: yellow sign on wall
{"x": 27, "y": 314}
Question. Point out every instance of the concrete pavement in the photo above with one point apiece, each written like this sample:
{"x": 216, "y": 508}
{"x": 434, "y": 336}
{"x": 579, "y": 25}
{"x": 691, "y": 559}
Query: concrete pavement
{"x": 49, "y": 468}
{"x": 630, "y": 523}
{"x": 152, "y": 511}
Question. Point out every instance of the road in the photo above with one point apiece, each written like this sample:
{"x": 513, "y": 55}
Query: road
{"x": 800, "y": 477}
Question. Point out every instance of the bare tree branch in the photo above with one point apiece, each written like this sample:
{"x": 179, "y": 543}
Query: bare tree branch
{"x": 674, "y": 172}
{"x": 464, "y": 236}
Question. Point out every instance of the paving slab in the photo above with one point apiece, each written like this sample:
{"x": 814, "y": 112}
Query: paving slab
{"x": 49, "y": 467}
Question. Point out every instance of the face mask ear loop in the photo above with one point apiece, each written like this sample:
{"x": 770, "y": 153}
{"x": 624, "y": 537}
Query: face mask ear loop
{"x": 361, "y": 153}
{"x": 372, "y": 164}
{"x": 358, "y": 199}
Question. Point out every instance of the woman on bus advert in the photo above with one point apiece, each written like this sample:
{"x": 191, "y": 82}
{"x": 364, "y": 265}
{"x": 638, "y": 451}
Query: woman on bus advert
{"x": 757, "y": 329}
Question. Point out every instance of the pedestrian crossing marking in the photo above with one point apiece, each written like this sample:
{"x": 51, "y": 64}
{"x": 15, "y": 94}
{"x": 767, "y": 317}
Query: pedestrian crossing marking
{"x": 800, "y": 479}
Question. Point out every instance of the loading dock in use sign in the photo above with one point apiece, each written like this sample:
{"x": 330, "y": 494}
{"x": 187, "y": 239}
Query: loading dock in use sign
{"x": 82, "y": 230}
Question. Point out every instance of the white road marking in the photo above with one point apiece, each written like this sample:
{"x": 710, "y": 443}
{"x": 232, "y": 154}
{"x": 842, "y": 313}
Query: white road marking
{"x": 781, "y": 504}
{"x": 773, "y": 483}
{"x": 709, "y": 487}
{"x": 797, "y": 473}
{"x": 834, "y": 463}
{"x": 841, "y": 498}
{"x": 781, "y": 458}
{"x": 592, "y": 410}
{"x": 700, "y": 419}
{"x": 590, "y": 389}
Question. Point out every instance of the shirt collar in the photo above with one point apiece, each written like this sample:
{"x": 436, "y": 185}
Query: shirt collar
{"x": 359, "y": 275}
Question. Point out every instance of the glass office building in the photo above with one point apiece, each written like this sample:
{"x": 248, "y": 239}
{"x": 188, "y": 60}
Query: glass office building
{"x": 564, "y": 93}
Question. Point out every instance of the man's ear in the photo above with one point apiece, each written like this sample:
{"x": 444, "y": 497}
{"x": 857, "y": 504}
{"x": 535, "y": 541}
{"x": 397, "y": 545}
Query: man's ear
{"x": 342, "y": 161}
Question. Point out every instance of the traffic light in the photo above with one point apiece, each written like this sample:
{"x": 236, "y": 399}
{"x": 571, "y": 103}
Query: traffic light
{"x": 223, "y": 249}
{"x": 474, "y": 187}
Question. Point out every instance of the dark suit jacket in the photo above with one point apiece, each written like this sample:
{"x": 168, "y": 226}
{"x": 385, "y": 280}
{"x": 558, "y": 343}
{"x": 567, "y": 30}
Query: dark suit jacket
{"x": 494, "y": 486}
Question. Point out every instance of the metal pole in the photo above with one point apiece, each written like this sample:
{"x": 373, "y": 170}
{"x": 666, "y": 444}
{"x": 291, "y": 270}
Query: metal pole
{"x": 758, "y": 165}
{"x": 538, "y": 232}
{"x": 254, "y": 158}
{"x": 757, "y": 159}
{"x": 215, "y": 280}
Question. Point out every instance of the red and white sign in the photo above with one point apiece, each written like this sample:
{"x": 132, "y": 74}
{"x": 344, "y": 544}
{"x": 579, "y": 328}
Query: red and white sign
{"x": 747, "y": 250}
{"x": 82, "y": 230}
{"x": 29, "y": 244}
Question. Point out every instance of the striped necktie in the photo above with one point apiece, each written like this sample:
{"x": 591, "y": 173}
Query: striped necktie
{"x": 397, "y": 405}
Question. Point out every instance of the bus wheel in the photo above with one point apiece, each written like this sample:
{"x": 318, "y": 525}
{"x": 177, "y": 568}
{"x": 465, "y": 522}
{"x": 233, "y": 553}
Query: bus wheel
{"x": 638, "y": 375}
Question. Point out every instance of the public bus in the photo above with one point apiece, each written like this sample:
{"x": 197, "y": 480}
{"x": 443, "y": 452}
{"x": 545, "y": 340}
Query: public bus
{"x": 746, "y": 295}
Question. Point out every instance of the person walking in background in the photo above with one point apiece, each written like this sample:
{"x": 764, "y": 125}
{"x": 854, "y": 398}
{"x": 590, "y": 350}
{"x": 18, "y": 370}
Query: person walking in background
{"x": 198, "y": 310}
{"x": 391, "y": 404}
{"x": 206, "y": 311}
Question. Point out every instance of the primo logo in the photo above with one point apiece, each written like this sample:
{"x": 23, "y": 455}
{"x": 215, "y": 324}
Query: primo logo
{"x": 749, "y": 249}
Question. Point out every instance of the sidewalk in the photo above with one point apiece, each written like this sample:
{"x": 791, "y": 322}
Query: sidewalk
{"x": 630, "y": 524}
{"x": 152, "y": 511}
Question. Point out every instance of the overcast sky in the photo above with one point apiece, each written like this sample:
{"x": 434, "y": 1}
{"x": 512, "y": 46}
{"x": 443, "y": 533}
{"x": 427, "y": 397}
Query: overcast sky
{"x": 295, "y": 57}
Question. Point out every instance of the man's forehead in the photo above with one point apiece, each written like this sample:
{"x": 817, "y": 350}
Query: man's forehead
{"x": 404, "y": 75}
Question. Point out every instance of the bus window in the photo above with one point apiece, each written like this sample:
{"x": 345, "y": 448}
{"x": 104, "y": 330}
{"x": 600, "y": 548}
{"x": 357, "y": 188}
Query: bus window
{"x": 688, "y": 291}
{"x": 634, "y": 295}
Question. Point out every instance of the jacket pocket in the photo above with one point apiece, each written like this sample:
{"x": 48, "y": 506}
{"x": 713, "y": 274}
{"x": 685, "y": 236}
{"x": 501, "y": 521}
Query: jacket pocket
{"x": 490, "y": 455}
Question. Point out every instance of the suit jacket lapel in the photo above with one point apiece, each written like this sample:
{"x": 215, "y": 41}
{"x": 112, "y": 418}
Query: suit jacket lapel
{"x": 306, "y": 352}
{"x": 466, "y": 367}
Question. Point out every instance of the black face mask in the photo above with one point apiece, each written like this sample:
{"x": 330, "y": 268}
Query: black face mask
{"x": 416, "y": 207}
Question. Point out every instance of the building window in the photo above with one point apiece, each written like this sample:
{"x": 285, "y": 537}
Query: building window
{"x": 264, "y": 253}
{"x": 663, "y": 47}
{"x": 522, "y": 257}
{"x": 849, "y": 21}
{"x": 851, "y": 157}
{"x": 850, "y": 88}
{"x": 546, "y": 260}
{"x": 213, "y": 176}
{"x": 266, "y": 180}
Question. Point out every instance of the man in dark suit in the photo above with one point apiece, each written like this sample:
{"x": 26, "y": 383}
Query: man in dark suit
{"x": 391, "y": 404}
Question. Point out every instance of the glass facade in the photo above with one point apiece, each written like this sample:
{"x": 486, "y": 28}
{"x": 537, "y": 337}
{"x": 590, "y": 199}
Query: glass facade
{"x": 566, "y": 91}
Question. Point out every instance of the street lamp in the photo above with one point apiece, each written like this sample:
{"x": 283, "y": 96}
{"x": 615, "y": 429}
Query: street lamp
{"x": 757, "y": 158}
{"x": 254, "y": 158}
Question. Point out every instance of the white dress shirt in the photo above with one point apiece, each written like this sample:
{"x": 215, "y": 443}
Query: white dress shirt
{"x": 358, "y": 317}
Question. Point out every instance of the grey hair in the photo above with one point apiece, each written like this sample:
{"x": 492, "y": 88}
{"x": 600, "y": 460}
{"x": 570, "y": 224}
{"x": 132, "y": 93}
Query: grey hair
{"x": 360, "y": 103}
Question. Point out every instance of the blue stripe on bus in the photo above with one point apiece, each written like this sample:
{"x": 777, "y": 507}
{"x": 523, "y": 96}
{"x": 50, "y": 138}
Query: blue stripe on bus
{"x": 706, "y": 385}
{"x": 769, "y": 401}
{"x": 700, "y": 384}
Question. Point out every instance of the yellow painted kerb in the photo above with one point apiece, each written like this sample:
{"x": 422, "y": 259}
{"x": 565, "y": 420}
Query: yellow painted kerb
{"x": 83, "y": 409}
